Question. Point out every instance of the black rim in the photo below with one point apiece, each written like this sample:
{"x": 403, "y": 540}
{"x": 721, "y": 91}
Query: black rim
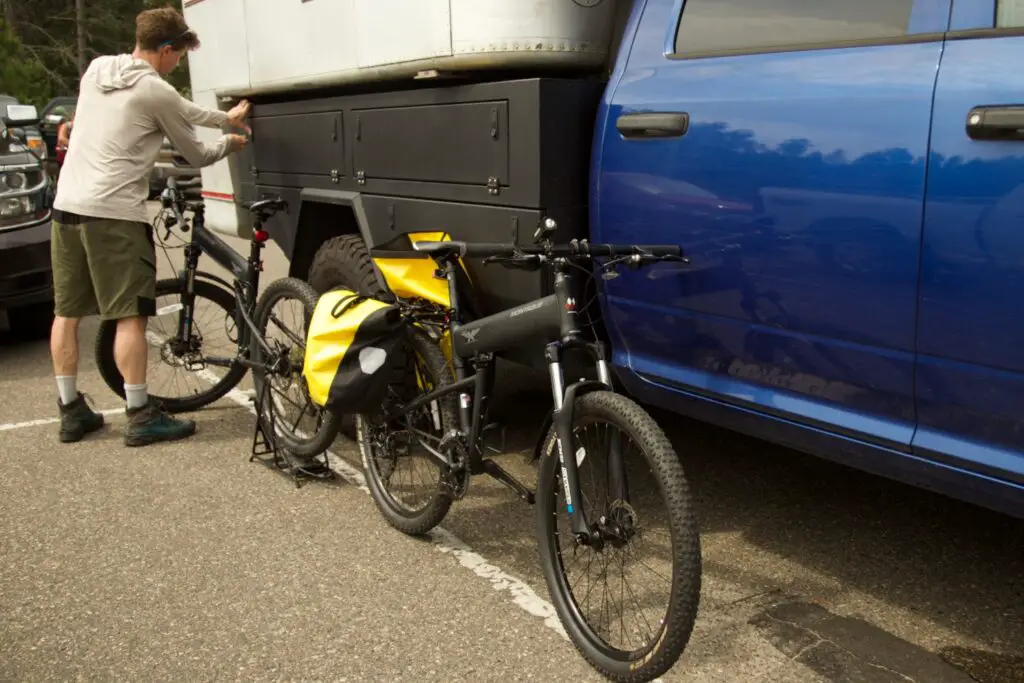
{"x": 187, "y": 357}
{"x": 562, "y": 577}
{"x": 288, "y": 353}
{"x": 385, "y": 443}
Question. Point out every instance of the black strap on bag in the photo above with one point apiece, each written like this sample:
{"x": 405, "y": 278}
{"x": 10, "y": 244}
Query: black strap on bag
{"x": 345, "y": 304}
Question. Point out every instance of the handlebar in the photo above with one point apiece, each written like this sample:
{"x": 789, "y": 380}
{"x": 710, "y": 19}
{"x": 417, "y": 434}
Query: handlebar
{"x": 572, "y": 249}
{"x": 185, "y": 184}
{"x": 174, "y": 199}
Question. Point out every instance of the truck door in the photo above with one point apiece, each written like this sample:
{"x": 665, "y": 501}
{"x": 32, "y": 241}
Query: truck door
{"x": 970, "y": 380}
{"x": 790, "y": 163}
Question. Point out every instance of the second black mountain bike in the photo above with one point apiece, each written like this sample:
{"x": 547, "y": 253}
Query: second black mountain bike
{"x": 603, "y": 459}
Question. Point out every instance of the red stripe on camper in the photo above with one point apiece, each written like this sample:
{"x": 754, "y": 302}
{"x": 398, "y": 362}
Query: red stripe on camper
{"x": 218, "y": 195}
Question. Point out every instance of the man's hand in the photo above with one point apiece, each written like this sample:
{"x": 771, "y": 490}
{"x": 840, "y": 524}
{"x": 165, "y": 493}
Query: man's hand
{"x": 236, "y": 143}
{"x": 237, "y": 114}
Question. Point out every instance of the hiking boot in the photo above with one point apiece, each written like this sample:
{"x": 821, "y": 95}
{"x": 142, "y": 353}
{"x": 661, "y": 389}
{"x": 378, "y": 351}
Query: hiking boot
{"x": 77, "y": 419}
{"x": 151, "y": 424}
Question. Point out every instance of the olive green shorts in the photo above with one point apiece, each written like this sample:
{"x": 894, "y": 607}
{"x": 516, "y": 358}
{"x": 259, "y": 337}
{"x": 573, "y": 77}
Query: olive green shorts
{"x": 102, "y": 267}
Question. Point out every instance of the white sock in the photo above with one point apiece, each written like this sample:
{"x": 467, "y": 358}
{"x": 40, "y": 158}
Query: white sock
{"x": 135, "y": 395}
{"x": 66, "y": 387}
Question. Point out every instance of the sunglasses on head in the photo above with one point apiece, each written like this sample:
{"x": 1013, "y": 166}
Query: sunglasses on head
{"x": 172, "y": 41}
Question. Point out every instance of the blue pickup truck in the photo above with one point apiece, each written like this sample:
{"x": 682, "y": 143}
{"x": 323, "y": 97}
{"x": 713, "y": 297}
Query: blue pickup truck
{"x": 850, "y": 188}
{"x": 846, "y": 176}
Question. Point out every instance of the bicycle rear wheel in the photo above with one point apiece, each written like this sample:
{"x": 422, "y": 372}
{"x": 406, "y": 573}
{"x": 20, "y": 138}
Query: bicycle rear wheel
{"x": 407, "y": 485}
{"x": 651, "y": 474}
{"x": 195, "y": 384}
{"x": 300, "y": 426}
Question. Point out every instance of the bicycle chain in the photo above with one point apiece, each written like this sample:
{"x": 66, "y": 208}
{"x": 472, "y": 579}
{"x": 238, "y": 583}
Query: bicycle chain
{"x": 456, "y": 480}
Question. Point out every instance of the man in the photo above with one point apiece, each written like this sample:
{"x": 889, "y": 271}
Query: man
{"x": 104, "y": 259}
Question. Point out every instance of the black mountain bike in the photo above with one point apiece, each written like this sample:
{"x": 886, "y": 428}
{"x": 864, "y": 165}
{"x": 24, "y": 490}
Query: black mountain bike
{"x": 194, "y": 306}
{"x": 435, "y": 418}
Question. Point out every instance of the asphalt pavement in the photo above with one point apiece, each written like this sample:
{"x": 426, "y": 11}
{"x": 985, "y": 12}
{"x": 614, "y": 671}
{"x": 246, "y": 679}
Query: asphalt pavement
{"x": 188, "y": 562}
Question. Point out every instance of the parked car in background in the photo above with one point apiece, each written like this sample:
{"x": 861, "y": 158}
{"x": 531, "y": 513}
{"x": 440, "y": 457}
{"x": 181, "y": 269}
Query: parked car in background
{"x": 169, "y": 164}
{"x": 26, "y": 197}
{"x": 30, "y": 134}
{"x": 57, "y": 111}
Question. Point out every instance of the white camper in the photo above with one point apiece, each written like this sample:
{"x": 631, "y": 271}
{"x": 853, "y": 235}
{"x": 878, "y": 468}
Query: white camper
{"x": 254, "y": 48}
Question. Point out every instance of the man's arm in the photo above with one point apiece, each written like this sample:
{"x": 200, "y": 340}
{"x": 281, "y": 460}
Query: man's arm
{"x": 174, "y": 119}
{"x": 198, "y": 115}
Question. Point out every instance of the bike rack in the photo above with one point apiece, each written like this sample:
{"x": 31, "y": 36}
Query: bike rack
{"x": 267, "y": 452}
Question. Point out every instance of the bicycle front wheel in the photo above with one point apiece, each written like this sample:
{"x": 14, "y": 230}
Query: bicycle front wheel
{"x": 178, "y": 374}
{"x": 634, "y": 492}
{"x": 282, "y": 317}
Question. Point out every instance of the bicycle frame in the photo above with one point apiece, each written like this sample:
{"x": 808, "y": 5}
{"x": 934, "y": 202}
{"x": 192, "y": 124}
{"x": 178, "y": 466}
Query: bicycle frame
{"x": 246, "y": 276}
{"x": 473, "y": 345}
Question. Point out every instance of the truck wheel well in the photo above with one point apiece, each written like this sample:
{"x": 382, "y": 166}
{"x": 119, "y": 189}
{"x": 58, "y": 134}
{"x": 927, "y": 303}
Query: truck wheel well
{"x": 318, "y": 223}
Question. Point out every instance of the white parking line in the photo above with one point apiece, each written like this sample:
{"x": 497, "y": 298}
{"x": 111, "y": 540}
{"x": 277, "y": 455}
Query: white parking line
{"x": 446, "y": 542}
{"x": 49, "y": 420}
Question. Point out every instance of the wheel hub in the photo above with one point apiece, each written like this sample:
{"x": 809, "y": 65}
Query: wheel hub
{"x": 620, "y": 524}
{"x": 182, "y": 352}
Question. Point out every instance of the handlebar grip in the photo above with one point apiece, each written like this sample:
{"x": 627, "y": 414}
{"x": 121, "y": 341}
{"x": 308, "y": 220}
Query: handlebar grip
{"x": 177, "y": 214}
{"x": 627, "y": 249}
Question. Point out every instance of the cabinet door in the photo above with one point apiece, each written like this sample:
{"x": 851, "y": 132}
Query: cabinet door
{"x": 970, "y": 379}
{"x": 789, "y": 162}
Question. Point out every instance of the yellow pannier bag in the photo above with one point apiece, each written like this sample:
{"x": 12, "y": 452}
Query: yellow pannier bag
{"x": 412, "y": 275}
{"x": 352, "y": 347}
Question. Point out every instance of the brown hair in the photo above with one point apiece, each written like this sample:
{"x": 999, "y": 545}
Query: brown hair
{"x": 155, "y": 28}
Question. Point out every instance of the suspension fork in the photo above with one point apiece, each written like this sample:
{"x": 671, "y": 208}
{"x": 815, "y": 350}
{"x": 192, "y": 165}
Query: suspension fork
{"x": 562, "y": 418}
{"x": 188, "y": 297}
{"x": 616, "y": 465}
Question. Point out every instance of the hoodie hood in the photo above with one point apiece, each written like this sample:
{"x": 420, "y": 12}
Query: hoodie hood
{"x": 119, "y": 72}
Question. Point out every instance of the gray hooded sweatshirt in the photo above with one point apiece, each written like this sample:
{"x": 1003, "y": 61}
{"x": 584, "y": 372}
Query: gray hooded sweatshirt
{"x": 124, "y": 111}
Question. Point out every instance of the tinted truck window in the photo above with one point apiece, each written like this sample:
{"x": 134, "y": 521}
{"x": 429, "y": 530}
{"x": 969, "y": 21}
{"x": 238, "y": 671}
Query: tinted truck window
{"x": 752, "y": 25}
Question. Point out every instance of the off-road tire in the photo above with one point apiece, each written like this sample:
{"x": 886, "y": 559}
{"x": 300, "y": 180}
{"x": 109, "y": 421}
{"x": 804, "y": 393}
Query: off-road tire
{"x": 433, "y": 513}
{"x": 298, "y": 290}
{"x": 618, "y": 410}
{"x": 107, "y": 366}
